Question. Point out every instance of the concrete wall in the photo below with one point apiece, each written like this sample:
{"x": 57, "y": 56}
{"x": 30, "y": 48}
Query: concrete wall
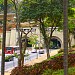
{"x": 8, "y": 33}
{"x": 12, "y": 36}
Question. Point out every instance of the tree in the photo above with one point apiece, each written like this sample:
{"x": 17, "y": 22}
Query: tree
{"x": 47, "y": 13}
{"x": 65, "y": 34}
{"x": 24, "y": 44}
{"x": 0, "y": 42}
{"x": 74, "y": 34}
{"x": 10, "y": 6}
{"x": 4, "y": 38}
{"x": 16, "y": 5}
{"x": 71, "y": 27}
{"x": 33, "y": 40}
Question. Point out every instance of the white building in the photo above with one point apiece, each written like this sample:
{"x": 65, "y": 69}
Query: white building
{"x": 12, "y": 37}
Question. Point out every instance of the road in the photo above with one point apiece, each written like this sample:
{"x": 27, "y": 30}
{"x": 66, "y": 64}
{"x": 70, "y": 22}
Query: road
{"x": 14, "y": 63}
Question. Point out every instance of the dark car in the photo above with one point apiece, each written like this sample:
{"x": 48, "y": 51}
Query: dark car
{"x": 54, "y": 47}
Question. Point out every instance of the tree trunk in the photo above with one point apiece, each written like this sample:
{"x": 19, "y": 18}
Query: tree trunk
{"x": 42, "y": 28}
{"x": 69, "y": 41}
{"x": 4, "y": 38}
{"x": 47, "y": 49}
{"x": 18, "y": 29}
{"x": 25, "y": 46}
{"x": 65, "y": 34}
{"x": 47, "y": 39}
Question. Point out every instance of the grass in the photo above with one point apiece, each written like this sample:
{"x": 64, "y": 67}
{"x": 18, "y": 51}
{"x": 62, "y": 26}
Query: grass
{"x": 52, "y": 57}
{"x": 71, "y": 71}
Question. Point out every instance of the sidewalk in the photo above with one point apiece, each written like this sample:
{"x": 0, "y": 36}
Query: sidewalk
{"x": 40, "y": 59}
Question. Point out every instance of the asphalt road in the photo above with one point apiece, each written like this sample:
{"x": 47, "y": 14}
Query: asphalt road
{"x": 11, "y": 64}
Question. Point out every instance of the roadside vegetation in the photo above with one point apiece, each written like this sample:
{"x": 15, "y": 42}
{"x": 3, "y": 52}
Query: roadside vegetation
{"x": 51, "y": 66}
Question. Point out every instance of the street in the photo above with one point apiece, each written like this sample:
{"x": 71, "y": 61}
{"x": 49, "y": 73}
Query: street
{"x": 11, "y": 64}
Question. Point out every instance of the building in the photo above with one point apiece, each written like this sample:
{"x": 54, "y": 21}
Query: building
{"x": 12, "y": 34}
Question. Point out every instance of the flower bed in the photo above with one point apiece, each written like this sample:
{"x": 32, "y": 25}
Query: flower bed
{"x": 55, "y": 63}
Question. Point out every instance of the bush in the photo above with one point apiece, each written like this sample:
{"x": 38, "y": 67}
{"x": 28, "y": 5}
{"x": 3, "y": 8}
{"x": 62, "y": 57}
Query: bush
{"x": 8, "y": 58}
{"x": 47, "y": 72}
{"x": 71, "y": 71}
{"x": 55, "y": 64}
{"x": 73, "y": 46}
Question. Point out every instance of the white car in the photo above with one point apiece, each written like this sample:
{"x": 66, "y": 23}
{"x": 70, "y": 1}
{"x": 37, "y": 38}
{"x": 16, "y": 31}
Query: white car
{"x": 34, "y": 51}
{"x": 41, "y": 51}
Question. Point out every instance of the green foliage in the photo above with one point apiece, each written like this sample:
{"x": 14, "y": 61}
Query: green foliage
{"x": 1, "y": 1}
{"x": 59, "y": 72}
{"x": 16, "y": 55}
{"x": 54, "y": 66}
{"x": 10, "y": 6}
{"x": 0, "y": 39}
{"x": 38, "y": 47}
{"x": 71, "y": 71}
{"x": 39, "y": 9}
{"x": 8, "y": 58}
{"x": 33, "y": 39}
{"x": 73, "y": 46}
{"x": 47, "y": 72}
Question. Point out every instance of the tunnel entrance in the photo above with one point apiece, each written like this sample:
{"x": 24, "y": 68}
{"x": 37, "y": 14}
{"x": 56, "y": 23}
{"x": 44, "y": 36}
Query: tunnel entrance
{"x": 55, "y": 43}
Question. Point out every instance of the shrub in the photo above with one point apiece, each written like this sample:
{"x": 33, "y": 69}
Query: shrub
{"x": 47, "y": 72}
{"x": 71, "y": 71}
{"x": 73, "y": 46}
{"x": 58, "y": 72}
{"x": 55, "y": 64}
{"x": 8, "y": 58}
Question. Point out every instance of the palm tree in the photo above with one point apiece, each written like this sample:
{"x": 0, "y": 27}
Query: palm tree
{"x": 65, "y": 35}
{"x": 4, "y": 37}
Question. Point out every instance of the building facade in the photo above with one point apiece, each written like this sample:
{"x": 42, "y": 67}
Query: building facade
{"x": 57, "y": 37}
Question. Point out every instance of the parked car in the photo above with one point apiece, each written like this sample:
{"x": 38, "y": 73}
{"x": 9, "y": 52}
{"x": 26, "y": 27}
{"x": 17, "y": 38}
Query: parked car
{"x": 54, "y": 47}
{"x": 34, "y": 51}
{"x": 41, "y": 52}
